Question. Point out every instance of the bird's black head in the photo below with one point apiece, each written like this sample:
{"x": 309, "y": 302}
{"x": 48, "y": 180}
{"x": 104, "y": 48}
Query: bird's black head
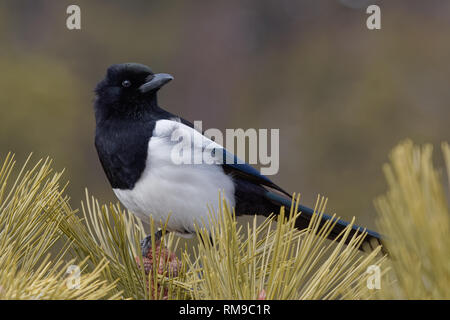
{"x": 128, "y": 89}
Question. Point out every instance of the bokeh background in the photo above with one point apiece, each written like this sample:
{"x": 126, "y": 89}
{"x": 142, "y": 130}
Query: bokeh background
{"x": 341, "y": 95}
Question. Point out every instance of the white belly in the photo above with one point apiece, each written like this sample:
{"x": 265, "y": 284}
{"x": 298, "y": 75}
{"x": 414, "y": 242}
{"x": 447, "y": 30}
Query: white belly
{"x": 186, "y": 192}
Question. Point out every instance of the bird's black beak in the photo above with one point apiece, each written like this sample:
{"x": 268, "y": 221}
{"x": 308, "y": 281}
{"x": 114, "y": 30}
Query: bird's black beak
{"x": 155, "y": 81}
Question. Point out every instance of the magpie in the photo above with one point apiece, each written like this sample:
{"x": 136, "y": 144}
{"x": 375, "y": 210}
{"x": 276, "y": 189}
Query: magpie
{"x": 134, "y": 139}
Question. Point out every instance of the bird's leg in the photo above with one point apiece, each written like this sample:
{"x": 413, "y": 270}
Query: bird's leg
{"x": 146, "y": 244}
{"x": 159, "y": 257}
{"x": 160, "y": 260}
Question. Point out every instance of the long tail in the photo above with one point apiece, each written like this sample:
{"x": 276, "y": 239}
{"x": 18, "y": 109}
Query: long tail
{"x": 372, "y": 239}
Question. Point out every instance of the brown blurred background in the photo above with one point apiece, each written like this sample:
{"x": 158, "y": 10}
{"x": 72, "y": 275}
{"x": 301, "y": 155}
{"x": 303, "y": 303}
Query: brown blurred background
{"x": 341, "y": 95}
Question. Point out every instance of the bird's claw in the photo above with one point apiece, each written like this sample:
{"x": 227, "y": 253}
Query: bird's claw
{"x": 161, "y": 258}
{"x": 146, "y": 243}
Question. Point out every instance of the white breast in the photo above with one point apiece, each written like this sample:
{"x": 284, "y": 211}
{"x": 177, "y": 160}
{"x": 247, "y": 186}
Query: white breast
{"x": 183, "y": 190}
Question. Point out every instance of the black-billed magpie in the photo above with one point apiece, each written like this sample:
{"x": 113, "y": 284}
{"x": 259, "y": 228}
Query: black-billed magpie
{"x": 134, "y": 141}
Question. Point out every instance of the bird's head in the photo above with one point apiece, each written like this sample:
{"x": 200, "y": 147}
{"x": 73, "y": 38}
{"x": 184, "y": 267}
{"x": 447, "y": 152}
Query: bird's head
{"x": 129, "y": 88}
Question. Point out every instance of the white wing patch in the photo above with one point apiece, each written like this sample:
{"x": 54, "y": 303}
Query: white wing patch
{"x": 183, "y": 190}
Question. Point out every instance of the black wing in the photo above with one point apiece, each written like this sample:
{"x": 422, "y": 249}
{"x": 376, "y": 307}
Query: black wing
{"x": 240, "y": 169}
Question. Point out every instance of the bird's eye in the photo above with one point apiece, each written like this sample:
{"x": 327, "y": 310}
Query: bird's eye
{"x": 126, "y": 83}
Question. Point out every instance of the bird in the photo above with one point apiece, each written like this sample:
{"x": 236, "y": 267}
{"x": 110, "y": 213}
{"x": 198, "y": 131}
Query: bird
{"x": 134, "y": 139}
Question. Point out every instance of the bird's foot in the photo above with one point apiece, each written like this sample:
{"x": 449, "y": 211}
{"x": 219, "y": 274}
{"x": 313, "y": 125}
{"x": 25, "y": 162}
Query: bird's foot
{"x": 146, "y": 244}
{"x": 165, "y": 260}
